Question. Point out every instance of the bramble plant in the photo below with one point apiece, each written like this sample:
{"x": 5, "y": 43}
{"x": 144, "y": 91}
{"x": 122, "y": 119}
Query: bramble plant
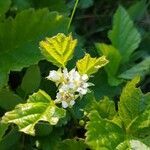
{"x": 66, "y": 97}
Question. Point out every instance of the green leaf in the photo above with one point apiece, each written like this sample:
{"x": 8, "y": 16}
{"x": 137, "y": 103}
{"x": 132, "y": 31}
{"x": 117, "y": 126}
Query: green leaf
{"x": 19, "y": 38}
{"x": 31, "y": 79}
{"x": 11, "y": 140}
{"x": 4, "y": 6}
{"x": 51, "y": 141}
{"x": 89, "y": 65}
{"x": 102, "y": 134}
{"x": 101, "y": 86}
{"x": 141, "y": 123}
{"x": 105, "y": 108}
{"x": 132, "y": 103}
{"x": 39, "y": 107}
{"x": 58, "y": 49}
{"x": 3, "y": 128}
{"x": 132, "y": 145}
{"x": 85, "y": 3}
{"x": 137, "y": 10}
{"x": 124, "y": 36}
{"x": 114, "y": 57}
{"x": 141, "y": 69}
{"x": 8, "y": 99}
{"x": 72, "y": 144}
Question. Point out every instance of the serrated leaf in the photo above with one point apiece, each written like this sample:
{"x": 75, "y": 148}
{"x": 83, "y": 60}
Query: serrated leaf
{"x": 4, "y": 6}
{"x": 105, "y": 108}
{"x": 31, "y": 79}
{"x": 114, "y": 57}
{"x": 132, "y": 103}
{"x": 8, "y": 99}
{"x": 141, "y": 69}
{"x": 19, "y": 38}
{"x": 141, "y": 122}
{"x": 132, "y": 145}
{"x": 124, "y": 36}
{"x": 58, "y": 49}
{"x": 89, "y": 65}
{"x": 102, "y": 134}
{"x": 39, "y": 107}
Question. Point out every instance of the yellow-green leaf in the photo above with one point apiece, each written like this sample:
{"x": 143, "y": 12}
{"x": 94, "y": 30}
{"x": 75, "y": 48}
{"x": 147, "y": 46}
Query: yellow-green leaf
{"x": 89, "y": 65}
{"x": 58, "y": 49}
{"x": 39, "y": 107}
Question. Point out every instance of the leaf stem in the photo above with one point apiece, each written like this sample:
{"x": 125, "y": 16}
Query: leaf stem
{"x": 73, "y": 12}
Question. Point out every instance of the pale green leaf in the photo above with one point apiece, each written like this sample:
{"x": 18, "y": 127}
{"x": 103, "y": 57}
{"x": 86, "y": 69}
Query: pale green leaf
{"x": 102, "y": 134}
{"x": 132, "y": 145}
{"x": 141, "y": 69}
{"x": 58, "y": 49}
{"x": 124, "y": 36}
{"x": 89, "y": 65}
{"x": 132, "y": 103}
{"x": 39, "y": 107}
{"x": 19, "y": 38}
{"x": 142, "y": 122}
{"x": 114, "y": 57}
{"x": 8, "y": 99}
{"x": 105, "y": 108}
{"x": 31, "y": 79}
{"x": 4, "y": 6}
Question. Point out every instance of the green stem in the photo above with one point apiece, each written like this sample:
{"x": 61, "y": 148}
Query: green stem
{"x": 73, "y": 12}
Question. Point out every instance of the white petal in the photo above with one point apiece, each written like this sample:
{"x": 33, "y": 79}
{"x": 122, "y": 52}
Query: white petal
{"x": 72, "y": 102}
{"x": 54, "y": 76}
{"x": 64, "y": 104}
{"x": 85, "y": 85}
{"x": 85, "y": 77}
{"x": 65, "y": 73}
{"x": 82, "y": 90}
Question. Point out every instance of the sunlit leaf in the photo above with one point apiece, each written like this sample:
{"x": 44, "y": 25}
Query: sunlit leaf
{"x": 39, "y": 107}
{"x": 89, "y": 65}
{"x": 102, "y": 134}
{"x": 132, "y": 103}
{"x": 58, "y": 49}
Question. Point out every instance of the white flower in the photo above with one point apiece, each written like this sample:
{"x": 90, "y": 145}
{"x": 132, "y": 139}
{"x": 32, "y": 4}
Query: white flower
{"x": 71, "y": 85}
{"x": 55, "y": 76}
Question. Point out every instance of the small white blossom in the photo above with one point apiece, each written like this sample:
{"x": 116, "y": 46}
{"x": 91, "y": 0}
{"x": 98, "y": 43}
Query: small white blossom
{"x": 55, "y": 76}
{"x": 70, "y": 84}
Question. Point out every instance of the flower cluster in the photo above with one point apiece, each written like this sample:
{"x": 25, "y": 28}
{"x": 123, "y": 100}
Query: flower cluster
{"x": 71, "y": 85}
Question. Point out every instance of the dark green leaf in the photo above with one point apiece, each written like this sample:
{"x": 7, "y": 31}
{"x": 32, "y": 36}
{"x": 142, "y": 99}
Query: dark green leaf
{"x": 124, "y": 36}
{"x": 19, "y": 38}
{"x": 8, "y": 99}
{"x": 31, "y": 79}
